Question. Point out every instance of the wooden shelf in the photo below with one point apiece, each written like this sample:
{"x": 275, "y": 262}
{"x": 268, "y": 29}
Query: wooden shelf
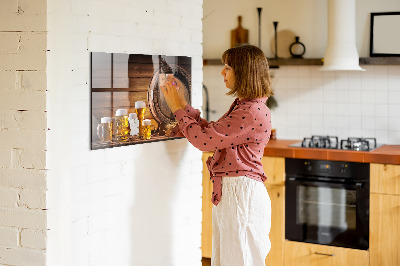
{"x": 380, "y": 61}
{"x": 274, "y": 63}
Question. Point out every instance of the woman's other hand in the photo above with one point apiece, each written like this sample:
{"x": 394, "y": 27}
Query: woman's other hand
{"x": 174, "y": 96}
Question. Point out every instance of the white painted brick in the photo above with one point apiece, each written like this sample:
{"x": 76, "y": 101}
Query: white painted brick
{"x": 23, "y": 139}
{"x": 8, "y": 6}
{"x": 34, "y": 120}
{"x": 23, "y": 100}
{"x": 33, "y": 239}
{"x": 5, "y": 159}
{"x": 15, "y": 158}
{"x": 23, "y": 178}
{"x": 17, "y": 256}
{"x": 33, "y": 159}
{"x": 33, "y": 199}
{"x": 9, "y": 42}
{"x": 177, "y": 7}
{"x": 22, "y": 218}
{"x": 8, "y": 197}
{"x": 8, "y": 237}
{"x": 35, "y": 60}
{"x": 30, "y": 80}
{"x": 7, "y": 79}
{"x": 36, "y": 7}
{"x": 98, "y": 222}
{"x": 22, "y": 22}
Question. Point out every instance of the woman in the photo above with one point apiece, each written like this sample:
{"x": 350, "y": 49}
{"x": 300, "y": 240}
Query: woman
{"x": 242, "y": 211}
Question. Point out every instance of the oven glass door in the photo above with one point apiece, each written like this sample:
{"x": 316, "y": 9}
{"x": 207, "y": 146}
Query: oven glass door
{"x": 327, "y": 213}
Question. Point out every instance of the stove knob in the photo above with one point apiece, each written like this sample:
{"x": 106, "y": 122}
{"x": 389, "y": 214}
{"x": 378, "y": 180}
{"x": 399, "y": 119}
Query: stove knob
{"x": 308, "y": 166}
{"x": 343, "y": 168}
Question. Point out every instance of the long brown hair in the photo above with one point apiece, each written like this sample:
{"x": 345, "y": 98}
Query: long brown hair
{"x": 250, "y": 66}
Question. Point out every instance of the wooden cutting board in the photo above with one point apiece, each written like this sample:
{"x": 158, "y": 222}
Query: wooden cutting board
{"x": 239, "y": 35}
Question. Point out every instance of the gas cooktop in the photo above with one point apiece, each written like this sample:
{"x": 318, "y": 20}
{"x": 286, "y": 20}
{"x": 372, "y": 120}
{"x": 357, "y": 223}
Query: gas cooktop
{"x": 332, "y": 142}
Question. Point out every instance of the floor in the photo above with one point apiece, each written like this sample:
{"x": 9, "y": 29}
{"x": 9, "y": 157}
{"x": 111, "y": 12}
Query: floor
{"x": 206, "y": 261}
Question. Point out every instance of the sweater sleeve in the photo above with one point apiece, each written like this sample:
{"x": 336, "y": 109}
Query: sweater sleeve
{"x": 195, "y": 114}
{"x": 229, "y": 131}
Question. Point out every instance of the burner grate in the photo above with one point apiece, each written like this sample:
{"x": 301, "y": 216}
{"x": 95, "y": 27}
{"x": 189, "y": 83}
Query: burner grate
{"x": 327, "y": 142}
{"x": 358, "y": 144}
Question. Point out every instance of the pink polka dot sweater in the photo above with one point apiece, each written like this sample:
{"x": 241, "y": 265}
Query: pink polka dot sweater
{"x": 238, "y": 140}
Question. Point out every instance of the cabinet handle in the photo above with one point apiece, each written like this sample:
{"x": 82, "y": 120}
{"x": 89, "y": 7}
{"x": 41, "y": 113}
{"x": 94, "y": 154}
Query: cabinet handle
{"x": 324, "y": 254}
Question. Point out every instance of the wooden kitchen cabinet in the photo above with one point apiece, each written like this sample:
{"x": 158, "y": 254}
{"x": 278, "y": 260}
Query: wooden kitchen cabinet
{"x": 385, "y": 215}
{"x": 274, "y": 168}
{"x": 305, "y": 254}
{"x": 206, "y": 225}
{"x": 384, "y": 236}
{"x": 385, "y": 178}
{"x": 277, "y": 233}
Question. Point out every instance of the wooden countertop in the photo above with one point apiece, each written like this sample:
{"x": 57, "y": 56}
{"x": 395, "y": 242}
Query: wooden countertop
{"x": 389, "y": 154}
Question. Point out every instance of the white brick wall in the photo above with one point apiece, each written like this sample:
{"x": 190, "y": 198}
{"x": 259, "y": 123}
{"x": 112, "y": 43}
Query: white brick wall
{"x": 23, "y": 132}
{"x": 134, "y": 205}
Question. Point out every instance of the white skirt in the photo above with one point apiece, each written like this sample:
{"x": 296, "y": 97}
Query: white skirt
{"x": 241, "y": 223}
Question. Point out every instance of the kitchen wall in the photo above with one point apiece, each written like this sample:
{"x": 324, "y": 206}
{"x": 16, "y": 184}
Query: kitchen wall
{"x": 342, "y": 103}
{"x": 133, "y": 205}
{"x": 23, "y": 133}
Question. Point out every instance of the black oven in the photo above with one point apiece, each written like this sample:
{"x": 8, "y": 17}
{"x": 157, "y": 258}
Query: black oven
{"x": 327, "y": 202}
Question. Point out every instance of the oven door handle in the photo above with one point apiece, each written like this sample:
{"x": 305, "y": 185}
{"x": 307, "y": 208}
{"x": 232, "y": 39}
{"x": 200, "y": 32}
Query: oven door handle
{"x": 357, "y": 185}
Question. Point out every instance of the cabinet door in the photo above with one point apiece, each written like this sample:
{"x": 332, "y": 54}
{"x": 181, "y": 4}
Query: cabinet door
{"x": 277, "y": 233}
{"x": 206, "y": 232}
{"x": 274, "y": 168}
{"x": 304, "y": 254}
{"x": 384, "y": 230}
{"x": 385, "y": 178}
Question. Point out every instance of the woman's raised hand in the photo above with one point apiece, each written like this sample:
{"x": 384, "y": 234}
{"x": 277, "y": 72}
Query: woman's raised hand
{"x": 174, "y": 96}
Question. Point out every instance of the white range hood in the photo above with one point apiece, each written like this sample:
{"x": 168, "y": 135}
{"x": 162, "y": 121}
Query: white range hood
{"x": 341, "y": 51}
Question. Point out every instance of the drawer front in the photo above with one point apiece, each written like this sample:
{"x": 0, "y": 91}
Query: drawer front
{"x": 297, "y": 253}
